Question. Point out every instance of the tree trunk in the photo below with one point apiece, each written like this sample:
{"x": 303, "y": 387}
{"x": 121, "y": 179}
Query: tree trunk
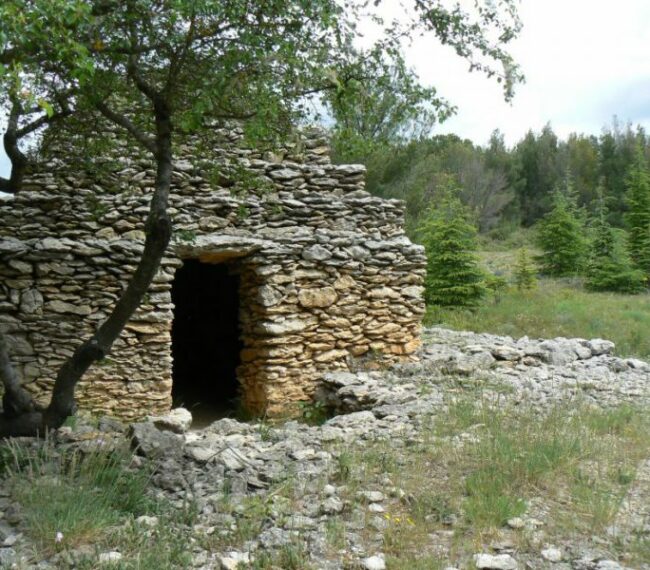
{"x": 17, "y": 158}
{"x": 158, "y": 234}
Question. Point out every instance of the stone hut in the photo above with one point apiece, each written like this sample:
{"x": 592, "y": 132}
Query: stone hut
{"x": 281, "y": 268}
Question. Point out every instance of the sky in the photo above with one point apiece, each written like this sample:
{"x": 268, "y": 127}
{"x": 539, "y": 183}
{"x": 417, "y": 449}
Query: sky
{"x": 585, "y": 61}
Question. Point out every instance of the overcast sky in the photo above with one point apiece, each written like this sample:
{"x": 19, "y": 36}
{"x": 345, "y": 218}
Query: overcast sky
{"x": 584, "y": 60}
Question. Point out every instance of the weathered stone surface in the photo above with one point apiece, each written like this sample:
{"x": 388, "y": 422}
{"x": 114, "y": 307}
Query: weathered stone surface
{"x": 153, "y": 443}
{"x": 321, "y": 297}
{"x": 325, "y": 271}
{"x": 316, "y": 253}
{"x": 31, "y": 301}
{"x": 63, "y": 307}
{"x": 495, "y": 561}
{"x": 178, "y": 420}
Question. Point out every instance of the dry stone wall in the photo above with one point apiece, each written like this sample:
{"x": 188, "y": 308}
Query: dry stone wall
{"x": 327, "y": 274}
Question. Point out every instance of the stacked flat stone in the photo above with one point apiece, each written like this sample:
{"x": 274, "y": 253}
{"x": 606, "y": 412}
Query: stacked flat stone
{"x": 327, "y": 274}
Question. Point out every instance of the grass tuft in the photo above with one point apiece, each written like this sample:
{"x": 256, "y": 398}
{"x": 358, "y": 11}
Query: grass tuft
{"x": 72, "y": 497}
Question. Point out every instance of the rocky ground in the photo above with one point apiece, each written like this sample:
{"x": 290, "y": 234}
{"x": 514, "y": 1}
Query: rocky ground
{"x": 289, "y": 495}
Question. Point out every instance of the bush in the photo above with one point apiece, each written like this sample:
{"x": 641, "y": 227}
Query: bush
{"x": 562, "y": 238}
{"x": 525, "y": 272}
{"x": 454, "y": 278}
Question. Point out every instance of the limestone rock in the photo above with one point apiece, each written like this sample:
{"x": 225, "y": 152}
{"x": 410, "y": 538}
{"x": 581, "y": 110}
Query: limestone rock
{"x": 178, "y": 420}
{"x": 320, "y": 297}
{"x": 599, "y": 346}
{"x": 374, "y": 563}
{"x": 316, "y": 253}
{"x": 31, "y": 301}
{"x": 495, "y": 562}
{"x": 552, "y": 554}
{"x": 109, "y": 558}
{"x": 149, "y": 441}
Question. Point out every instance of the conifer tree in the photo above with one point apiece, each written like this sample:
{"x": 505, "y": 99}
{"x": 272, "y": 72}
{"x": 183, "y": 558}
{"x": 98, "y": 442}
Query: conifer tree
{"x": 454, "y": 278}
{"x": 610, "y": 267}
{"x": 525, "y": 272}
{"x": 562, "y": 237}
{"x": 637, "y": 217}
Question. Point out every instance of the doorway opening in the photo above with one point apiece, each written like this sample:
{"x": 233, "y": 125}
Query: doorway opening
{"x": 206, "y": 342}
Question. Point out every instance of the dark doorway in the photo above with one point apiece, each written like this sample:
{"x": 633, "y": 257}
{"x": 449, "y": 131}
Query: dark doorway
{"x": 205, "y": 340}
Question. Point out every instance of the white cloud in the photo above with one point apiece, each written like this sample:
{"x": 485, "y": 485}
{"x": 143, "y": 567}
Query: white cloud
{"x": 582, "y": 60}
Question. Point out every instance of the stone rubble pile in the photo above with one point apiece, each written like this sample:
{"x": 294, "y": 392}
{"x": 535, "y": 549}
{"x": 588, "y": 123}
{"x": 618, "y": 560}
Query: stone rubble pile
{"x": 539, "y": 372}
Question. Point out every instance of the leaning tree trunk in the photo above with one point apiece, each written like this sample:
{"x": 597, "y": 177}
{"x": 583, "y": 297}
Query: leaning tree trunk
{"x": 158, "y": 234}
{"x": 17, "y": 158}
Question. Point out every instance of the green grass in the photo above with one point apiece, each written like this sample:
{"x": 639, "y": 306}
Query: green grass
{"x": 515, "y": 455}
{"x": 77, "y": 495}
{"x": 559, "y": 309}
{"x": 468, "y": 472}
{"x": 71, "y": 498}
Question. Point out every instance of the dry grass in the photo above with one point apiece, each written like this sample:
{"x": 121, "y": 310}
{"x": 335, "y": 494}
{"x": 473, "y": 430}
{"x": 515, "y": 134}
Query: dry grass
{"x": 477, "y": 468}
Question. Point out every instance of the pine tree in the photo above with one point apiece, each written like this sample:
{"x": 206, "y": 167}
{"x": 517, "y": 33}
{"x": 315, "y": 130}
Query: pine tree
{"x": 637, "y": 217}
{"x": 562, "y": 237}
{"x": 454, "y": 278}
{"x": 525, "y": 272}
{"x": 611, "y": 268}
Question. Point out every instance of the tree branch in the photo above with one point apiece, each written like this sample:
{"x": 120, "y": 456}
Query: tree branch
{"x": 124, "y": 122}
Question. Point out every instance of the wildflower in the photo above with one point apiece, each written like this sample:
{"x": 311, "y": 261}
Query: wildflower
{"x": 58, "y": 538}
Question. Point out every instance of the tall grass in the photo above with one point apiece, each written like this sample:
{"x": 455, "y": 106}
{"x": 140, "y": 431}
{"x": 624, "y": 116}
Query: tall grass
{"x": 70, "y": 497}
{"x": 514, "y": 456}
{"x": 558, "y": 308}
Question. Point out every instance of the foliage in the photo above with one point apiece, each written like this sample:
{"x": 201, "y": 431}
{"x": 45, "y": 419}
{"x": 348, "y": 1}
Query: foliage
{"x": 525, "y": 272}
{"x": 454, "y": 278}
{"x": 537, "y": 173}
{"x": 561, "y": 236}
{"x": 637, "y": 217}
{"x": 611, "y": 268}
{"x": 380, "y": 103}
{"x": 378, "y": 100}
{"x": 507, "y": 187}
{"x": 261, "y": 62}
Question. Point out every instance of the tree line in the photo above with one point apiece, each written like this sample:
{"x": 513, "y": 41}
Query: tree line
{"x": 504, "y": 187}
{"x": 587, "y": 199}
